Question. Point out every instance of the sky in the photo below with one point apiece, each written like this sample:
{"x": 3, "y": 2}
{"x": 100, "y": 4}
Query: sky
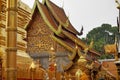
{"x": 87, "y": 13}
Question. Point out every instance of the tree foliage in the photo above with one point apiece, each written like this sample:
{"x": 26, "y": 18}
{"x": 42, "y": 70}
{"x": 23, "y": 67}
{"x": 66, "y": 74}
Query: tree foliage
{"x": 105, "y": 34}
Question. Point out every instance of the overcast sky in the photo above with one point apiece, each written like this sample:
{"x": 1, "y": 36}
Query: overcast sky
{"x": 89, "y": 13}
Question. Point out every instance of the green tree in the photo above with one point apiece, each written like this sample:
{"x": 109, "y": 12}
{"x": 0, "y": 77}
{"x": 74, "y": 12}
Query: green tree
{"x": 105, "y": 34}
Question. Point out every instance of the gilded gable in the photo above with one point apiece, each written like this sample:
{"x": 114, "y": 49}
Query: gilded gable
{"x": 39, "y": 35}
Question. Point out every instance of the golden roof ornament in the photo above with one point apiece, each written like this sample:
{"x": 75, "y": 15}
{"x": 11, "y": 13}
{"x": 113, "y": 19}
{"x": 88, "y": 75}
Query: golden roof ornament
{"x": 52, "y": 49}
{"x": 89, "y": 47}
{"x": 59, "y": 29}
{"x": 32, "y": 66}
{"x": 76, "y": 46}
{"x": 91, "y": 44}
{"x": 81, "y": 59}
{"x": 117, "y": 4}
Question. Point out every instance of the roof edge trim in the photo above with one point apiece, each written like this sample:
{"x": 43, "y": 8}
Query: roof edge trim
{"x": 60, "y": 42}
{"x": 68, "y": 66}
{"x": 57, "y": 32}
{"x": 63, "y": 24}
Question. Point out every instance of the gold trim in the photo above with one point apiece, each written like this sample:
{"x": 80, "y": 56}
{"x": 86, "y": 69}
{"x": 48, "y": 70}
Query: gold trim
{"x": 68, "y": 66}
{"x": 79, "y": 53}
{"x": 47, "y": 21}
{"x": 71, "y": 57}
{"x": 60, "y": 42}
{"x": 59, "y": 29}
{"x": 64, "y": 24}
{"x": 75, "y": 39}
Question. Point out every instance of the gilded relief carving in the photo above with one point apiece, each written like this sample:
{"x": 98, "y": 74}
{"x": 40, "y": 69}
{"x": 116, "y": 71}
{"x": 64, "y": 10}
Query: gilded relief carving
{"x": 39, "y": 36}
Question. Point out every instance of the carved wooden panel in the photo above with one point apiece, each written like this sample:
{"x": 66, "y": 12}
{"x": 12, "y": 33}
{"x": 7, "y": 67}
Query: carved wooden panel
{"x": 39, "y": 36}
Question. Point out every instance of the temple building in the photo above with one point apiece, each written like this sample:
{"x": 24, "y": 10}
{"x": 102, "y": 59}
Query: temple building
{"x": 48, "y": 45}
{"x": 50, "y": 35}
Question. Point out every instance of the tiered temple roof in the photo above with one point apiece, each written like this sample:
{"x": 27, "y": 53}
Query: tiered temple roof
{"x": 58, "y": 22}
{"x": 63, "y": 31}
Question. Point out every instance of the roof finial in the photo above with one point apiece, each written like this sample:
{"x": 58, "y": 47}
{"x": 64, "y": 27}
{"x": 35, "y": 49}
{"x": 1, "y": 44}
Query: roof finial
{"x": 68, "y": 15}
{"x": 117, "y": 4}
{"x": 81, "y": 31}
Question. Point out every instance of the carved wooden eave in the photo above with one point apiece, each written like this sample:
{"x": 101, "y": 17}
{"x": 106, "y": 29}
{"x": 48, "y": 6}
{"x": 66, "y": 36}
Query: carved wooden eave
{"x": 67, "y": 46}
{"x": 79, "y": 42}
{"x": 70, "y": 28}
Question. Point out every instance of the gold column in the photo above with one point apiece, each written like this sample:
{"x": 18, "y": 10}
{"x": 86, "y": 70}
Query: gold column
{"x": 11, "y": 25}
{"x": 0, "y": 11}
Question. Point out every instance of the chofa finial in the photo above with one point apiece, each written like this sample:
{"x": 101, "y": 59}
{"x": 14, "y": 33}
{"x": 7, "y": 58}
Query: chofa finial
{"x": 117, "y": 4}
